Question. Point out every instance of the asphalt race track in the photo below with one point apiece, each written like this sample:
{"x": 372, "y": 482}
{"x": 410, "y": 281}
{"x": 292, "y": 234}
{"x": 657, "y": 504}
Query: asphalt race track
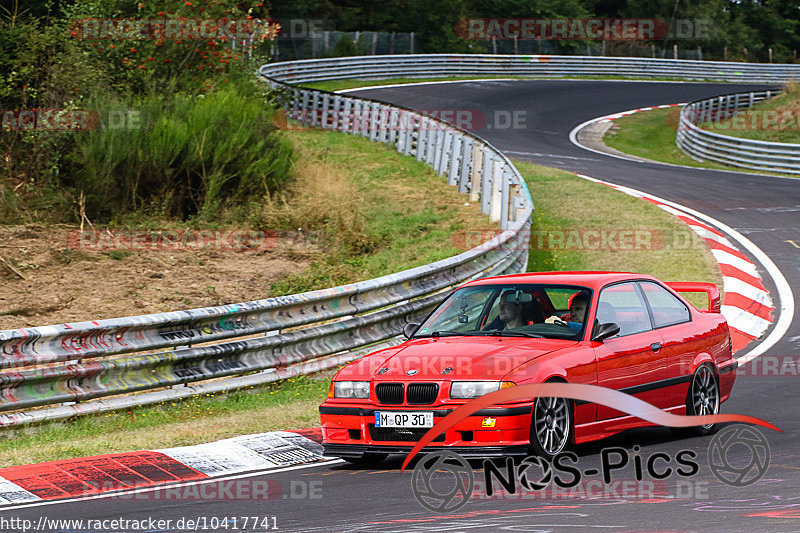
{"x": 766, "y": 209}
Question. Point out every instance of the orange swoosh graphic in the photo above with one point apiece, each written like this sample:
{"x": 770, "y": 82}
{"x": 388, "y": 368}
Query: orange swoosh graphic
{"x": 574, "y": 391}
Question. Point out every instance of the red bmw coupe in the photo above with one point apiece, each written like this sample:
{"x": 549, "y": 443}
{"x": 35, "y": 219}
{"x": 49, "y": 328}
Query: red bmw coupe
{"x": 628, "y": 332}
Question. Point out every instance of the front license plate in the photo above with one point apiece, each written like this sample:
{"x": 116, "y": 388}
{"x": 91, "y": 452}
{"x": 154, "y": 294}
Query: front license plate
{"x": 403, "y": 419}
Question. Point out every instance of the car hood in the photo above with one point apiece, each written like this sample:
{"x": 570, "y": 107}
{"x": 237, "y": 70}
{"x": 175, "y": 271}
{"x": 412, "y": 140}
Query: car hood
{"x": 480, "y": 358}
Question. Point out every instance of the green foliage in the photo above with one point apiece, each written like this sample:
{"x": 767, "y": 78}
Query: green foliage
{"x": 197, "y": 145}
{"x": 345, "y": 47}
{"x": 185, "y": 61}
{"x": 187, "y": 156}
{"x": 736, "y": 25}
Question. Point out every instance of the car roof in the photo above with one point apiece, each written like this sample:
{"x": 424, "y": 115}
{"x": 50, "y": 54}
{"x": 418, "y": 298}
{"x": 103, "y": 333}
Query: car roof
{"x": 590, "y": 279}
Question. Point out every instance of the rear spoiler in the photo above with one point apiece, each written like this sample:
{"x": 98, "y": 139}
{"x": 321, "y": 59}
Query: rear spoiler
{"x": 697, "y": 286}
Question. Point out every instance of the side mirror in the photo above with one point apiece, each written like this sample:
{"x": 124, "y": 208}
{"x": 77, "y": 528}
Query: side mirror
{"x": 409, "y": 329}
{"x": 605, "y": 331}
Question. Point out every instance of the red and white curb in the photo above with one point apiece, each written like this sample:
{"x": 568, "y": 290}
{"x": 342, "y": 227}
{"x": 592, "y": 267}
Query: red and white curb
{"x": 747, "y": 306}
{"x": 88, "y": 476}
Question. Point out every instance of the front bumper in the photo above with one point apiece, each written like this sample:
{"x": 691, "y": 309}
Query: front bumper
{"x": 356, "y": 451}
{"x": 349, "y": 431}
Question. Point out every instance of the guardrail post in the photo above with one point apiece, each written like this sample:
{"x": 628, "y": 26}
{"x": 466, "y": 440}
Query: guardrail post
{"x": 433, "y": 144}
{"x": 393, "y": 126}
{"x": 466, "y": 161}
{"x": 475, "y": 173}
{"x": 337, "y": 105}
{"x": 444, "y": 151}
{"x": 384, "y": 119}
{"x": 374, "y": 121}
{"x": 366, "y": 121}
{"x": 519, "y": 203}
{"x": 357, "y": 117}
{"x": 497, "y": 190}
{"x": 325, "y": 113}
{"x": 486, "y": 181}
{"x": 455, "y": 152}
{"x": 347, "y": 117}
{"x": 505, "y": 197}
{"x": 422, "y": 139}
{"x": 315, "y": 110}
{"x": 303, "y": 118}
{"x": 412, "y": 129}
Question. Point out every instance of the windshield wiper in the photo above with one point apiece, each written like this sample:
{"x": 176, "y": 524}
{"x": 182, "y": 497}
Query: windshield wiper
{"x": 507, "y": 333}
{"x": 443, "y": 333}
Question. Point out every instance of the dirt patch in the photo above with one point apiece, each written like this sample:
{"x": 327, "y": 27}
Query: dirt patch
{"x": 68, "y": 283}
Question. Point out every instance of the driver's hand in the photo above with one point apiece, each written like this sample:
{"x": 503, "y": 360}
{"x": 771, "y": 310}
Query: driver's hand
{"x": 555, "y": 320}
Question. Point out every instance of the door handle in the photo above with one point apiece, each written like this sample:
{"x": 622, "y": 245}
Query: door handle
{"x": 656, "y": 346}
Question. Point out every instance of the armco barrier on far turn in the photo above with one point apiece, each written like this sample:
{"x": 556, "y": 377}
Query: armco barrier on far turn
{"x": 443, "y": 65}
{"x": 702, "y": 145}
{"x": 172, "y": 355}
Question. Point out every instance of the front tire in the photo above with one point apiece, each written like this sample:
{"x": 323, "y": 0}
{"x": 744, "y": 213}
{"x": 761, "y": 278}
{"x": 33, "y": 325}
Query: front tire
{"x": 551, "y": 426}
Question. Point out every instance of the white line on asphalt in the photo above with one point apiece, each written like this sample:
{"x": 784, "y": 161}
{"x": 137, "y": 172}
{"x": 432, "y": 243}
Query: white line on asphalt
{"x": 573, "y": 137}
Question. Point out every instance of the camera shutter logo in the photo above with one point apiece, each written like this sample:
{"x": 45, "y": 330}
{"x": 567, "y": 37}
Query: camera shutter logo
{"x": 739, "y": 442}
{"x": 527, "y": 473}
{"x": 442, "y": 495}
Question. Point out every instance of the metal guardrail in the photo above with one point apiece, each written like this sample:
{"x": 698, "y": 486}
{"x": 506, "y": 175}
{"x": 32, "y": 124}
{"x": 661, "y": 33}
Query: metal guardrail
{"x": 443, "y": 65}
{"x": 703, "y": 145}
{"x": 266, "y": 340}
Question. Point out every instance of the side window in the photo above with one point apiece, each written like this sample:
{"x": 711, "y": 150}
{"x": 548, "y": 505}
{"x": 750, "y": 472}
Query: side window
{"x": 667, "y": 310}
{"x": 622, "y": 305}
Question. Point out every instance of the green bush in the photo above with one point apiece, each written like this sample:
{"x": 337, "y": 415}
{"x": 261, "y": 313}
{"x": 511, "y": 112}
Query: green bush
{"x": 187, "y": 156}
{"x": 345, "y": 47}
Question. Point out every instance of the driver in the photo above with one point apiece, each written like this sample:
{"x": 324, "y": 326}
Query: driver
{"x": 511, "y": 310}
{"x": 515, "y": 314}
{"x": 577, "y": 311}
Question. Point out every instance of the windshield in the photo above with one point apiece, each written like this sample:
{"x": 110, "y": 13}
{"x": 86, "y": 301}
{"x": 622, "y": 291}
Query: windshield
{"x": 529, "y": 310}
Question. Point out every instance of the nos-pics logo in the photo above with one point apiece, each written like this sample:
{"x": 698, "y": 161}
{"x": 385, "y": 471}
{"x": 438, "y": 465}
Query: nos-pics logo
{"x": 443, "y": 481}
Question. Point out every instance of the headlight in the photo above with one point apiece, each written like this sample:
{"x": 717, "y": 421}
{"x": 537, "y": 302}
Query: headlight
{"x": 461, "y": 390}
{"x": 351, "y": 389}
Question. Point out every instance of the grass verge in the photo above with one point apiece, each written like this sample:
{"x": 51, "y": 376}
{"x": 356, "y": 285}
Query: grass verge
{"x": 774, "y": 120}
{"x": 651, "y": 134}
{"x": 290, "y": 404}
{"x": 372, "y": 212}
{"x": 564, "y": 203}
{"x": 568, "y": 208}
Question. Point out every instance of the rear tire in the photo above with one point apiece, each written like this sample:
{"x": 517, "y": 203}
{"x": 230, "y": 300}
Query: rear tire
{"x": 551, "y": 426}
{"x": 702, "y": 398}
